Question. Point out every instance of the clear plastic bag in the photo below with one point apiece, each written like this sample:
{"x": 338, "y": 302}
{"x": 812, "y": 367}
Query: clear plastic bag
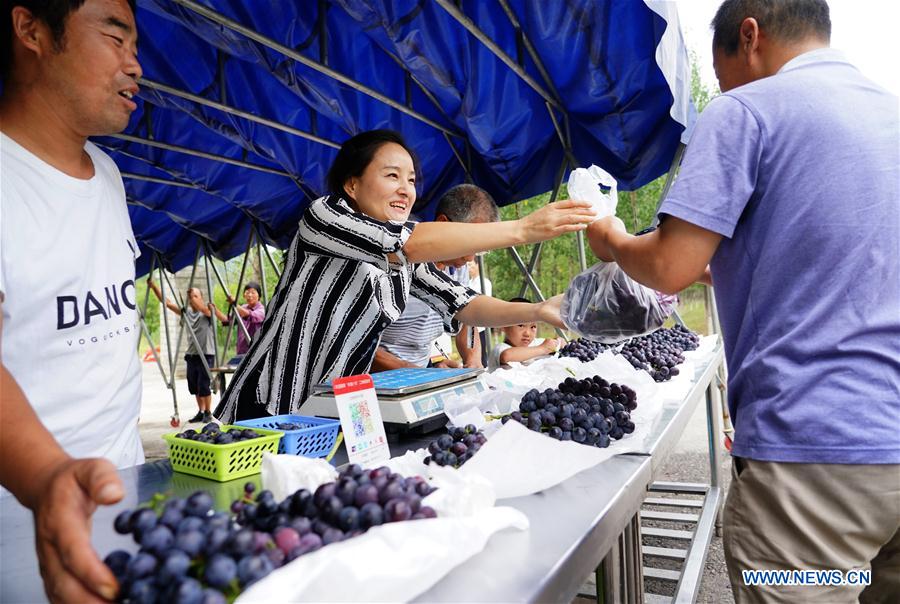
{"x": 606, "y": 305}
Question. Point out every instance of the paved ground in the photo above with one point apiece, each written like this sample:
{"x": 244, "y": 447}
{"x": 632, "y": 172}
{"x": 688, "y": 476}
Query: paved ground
{"x": 688, "y": 463}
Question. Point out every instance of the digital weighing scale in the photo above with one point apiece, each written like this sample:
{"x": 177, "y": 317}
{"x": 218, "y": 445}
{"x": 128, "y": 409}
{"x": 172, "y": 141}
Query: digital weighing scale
{"x": 411, "y": 399}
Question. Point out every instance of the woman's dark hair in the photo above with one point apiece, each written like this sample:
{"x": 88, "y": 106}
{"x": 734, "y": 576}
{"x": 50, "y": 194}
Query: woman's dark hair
{"x": 253, "y": 285}
{"x": 52, "y": 12}
{"x": 356, "y": 154}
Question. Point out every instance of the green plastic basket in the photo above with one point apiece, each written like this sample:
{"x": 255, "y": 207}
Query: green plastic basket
{"x": 222, "y": 462}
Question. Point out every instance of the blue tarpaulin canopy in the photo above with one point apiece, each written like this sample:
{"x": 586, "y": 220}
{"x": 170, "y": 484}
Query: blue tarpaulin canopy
{"x": 243, "y": 104}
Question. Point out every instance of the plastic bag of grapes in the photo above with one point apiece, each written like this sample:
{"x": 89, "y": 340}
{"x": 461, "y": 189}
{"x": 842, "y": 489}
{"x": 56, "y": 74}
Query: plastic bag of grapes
{"x": 606, "y": 305}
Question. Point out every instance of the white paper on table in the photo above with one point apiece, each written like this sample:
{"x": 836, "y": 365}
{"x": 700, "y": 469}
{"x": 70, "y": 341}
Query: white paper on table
{"x": 286, "y": 474}
{"x": 520, "y": 462}
{"x": 396, "y": 562}
{"x": 704, "y": 349}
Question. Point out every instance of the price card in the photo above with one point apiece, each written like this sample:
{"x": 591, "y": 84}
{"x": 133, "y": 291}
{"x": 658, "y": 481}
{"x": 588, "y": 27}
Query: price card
{"x": 361, "y": 420}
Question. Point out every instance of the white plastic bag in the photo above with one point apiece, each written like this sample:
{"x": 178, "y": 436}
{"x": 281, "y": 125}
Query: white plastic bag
{"x": 584, "y": 184}
{"x": 606, "y": 305}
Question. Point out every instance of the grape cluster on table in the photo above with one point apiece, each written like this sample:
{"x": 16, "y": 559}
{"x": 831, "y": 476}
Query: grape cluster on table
{"x": 584, "y": 350}
{"x": 456, "y": 447}
{"x": 190, "y": 553}
{"x": 659, "y": 353}
{"x": 590, "y": 411}
{"x": 288, "y": 426}
{"x": 211, "y": 433}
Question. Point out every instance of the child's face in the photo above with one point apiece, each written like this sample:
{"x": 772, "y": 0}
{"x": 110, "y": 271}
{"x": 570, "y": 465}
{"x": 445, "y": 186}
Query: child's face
{"x": 520, "y": 335}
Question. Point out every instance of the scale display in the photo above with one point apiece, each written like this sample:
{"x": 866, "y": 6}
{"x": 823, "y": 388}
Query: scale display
{"x": 412, "y": 379}
{"x": 406, "y": 396}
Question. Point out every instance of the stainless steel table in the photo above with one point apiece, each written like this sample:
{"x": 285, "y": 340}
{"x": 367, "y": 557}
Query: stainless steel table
{"x": 573, "y": 527}
{"x": 588, "y": 519}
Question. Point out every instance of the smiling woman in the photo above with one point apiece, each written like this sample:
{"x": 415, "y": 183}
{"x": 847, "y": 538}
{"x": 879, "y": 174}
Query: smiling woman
{"x": 352, "y": 266}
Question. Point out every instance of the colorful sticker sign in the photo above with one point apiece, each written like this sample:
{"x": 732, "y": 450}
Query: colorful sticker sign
{"x": 361, "y": 421}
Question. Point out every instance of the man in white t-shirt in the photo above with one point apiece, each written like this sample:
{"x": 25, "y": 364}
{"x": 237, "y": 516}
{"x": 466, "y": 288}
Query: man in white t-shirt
{"x": 70, "y": 377}
{"x": 407, "y": 342}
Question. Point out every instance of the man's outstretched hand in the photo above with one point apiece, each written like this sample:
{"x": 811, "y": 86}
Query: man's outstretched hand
{"x": 71, "y": 569}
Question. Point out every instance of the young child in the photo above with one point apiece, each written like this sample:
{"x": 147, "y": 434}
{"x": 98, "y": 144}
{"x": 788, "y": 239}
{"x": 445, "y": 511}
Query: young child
{"x": 520, "y": 345}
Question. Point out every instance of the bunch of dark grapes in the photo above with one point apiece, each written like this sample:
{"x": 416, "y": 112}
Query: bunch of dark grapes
{"x": 212, "y": 434}
{"x": 591, "y": 411}
{"x": 289, "y": 426}
{"x": 456, "y": 447}
{"x": 659, "y": 353}
{"x": 583, "y": 349}
{"x": 190, "y": 553}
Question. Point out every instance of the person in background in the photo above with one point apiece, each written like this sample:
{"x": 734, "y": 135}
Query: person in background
{"x": 521, "y": 345}
{"x": 407, "y": 341}
{"x": 201, "y": 331}
{"x": 252, "y": 314}
{"x": 807, "y": 283}
{"x": 70, "y": 378}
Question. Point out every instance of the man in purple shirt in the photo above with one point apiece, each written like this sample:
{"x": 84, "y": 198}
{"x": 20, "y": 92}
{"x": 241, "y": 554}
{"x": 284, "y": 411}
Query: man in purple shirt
{"x": 790, "y": 193}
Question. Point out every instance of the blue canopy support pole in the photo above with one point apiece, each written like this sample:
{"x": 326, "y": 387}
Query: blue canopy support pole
{"x": 532, "y": 52}
{"x": 536, "y": 250}
{"x": 162, "y": 181}
{"x": 232, "y": 310}
{"x": 217, "y": 360}
{"x": 196, "y": 153}
{"x": 220, "y": 75}
{"x": 264, "y": 294}
{"x": 179, "y": 300}
{"x": 488, "y": 333}
{"x": 670, "y": 178}
{"x": 188, "y": 96}
{"x": 171, "y": 381}
{"x": 306, "y": 61}
{"x": 321, "y": 26}
{"x": 531, "y": 282}
{"x": 459, "y": 158}
{"x": 482, "y": 37}
{"x": 265, "y": 248}
{"x": 142, "y": 314}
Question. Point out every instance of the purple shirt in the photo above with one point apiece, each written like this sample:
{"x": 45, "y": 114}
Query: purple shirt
{"x": 253, "y": 322}
{"x": 800, "y": 173}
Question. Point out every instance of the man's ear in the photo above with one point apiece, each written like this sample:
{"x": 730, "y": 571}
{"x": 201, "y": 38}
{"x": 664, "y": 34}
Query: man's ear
{"x": 749, "y": 37}
{"x": 31, "y": 32}
{"x": 441, "y": 218}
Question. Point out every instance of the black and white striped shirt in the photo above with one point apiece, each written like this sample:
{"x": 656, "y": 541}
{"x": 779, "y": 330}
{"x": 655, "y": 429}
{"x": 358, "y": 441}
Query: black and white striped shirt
{"x": 337, "y": 293}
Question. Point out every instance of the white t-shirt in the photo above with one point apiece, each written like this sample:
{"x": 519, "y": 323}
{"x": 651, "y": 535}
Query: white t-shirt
{"x": 70, "y": 325}
{"x": 494, "y": 359}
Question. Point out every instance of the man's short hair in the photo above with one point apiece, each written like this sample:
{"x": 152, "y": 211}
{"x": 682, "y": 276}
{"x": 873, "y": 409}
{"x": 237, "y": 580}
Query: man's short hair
{"x": 52, "y": 12}
{"x": 783, "y": 20}
{"x": 468, "y": 203}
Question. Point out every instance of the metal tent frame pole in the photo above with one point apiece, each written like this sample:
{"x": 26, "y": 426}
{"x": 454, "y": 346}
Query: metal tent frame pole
{"x": 232, "y": 308}
{"x": 196, "y": 153}
{"x": 265, "y": 248}
{"x": 212, "y": 315}
{"x": 171, "y": 381}
{"x": 290, "y": 53}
